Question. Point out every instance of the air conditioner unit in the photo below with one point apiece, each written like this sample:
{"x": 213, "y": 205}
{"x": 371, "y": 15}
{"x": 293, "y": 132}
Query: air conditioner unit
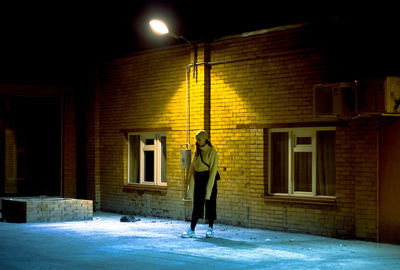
{"x": 378, "y": 95}
{"x": 334, "y": 99}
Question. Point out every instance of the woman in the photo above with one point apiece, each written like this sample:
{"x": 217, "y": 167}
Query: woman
{"x": 202, "y": 184}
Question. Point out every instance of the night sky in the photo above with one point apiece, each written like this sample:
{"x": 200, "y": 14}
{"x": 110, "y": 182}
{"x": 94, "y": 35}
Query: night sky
{"x": 59, "y": 42}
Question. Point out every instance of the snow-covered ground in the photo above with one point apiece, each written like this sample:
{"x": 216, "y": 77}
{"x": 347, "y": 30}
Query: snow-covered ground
{"x": 155, "y": 243}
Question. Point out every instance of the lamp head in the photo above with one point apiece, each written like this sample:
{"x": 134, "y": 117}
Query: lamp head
{"x": 159, "y": 27}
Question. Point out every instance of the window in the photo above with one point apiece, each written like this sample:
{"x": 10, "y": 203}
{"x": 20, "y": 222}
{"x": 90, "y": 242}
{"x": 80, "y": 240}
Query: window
{"x": 302, "y": 161}
{"x": 147, "y": 158}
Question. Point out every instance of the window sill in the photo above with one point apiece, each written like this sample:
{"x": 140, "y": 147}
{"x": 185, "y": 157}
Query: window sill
{"x": 300, "y": 200}
{"x": 140, "y": 188}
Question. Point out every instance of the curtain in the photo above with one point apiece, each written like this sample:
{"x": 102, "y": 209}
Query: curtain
{"x": 303, "y": 171}
{"x": 279, "y": 162}
{"x": 149, "y": 166}
{"x": 134, "y": 158}
{"x": 326, "y": 167}
{"x": 163, "y": 159}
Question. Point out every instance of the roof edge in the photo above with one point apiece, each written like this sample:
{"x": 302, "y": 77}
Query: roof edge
{"x": 181, "y": 46}
{"x": 263, "y": 31}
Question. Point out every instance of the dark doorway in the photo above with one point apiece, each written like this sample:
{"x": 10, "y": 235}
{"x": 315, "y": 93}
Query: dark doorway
{"x": 389, "y": 184}
{"x": 30, "y": 151}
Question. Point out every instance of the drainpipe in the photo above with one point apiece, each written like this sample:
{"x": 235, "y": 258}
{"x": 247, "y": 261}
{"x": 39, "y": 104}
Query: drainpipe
{"x": 62, "y": 101}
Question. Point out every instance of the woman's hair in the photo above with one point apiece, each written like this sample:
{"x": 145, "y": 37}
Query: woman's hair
{"x": 198, "y": 147}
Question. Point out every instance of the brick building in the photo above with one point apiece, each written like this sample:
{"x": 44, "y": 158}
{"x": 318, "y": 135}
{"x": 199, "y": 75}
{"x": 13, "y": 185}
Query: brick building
{"x": 301, "y": 146}
{"x": 283, "y": 165}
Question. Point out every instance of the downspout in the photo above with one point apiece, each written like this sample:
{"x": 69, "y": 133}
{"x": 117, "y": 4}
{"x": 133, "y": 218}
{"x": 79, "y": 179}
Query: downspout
{"x": 187, "y": 106}
{"x": 378, "y": 183}
{"x": 62, "y": 105}
{"x": 183, "y": 174}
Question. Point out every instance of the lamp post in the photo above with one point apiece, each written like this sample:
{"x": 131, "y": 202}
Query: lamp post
{"x": 160, "y": 28}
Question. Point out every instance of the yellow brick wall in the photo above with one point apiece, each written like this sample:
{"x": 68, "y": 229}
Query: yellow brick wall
{"x": 256, "y": 82}
{"x": 142, "y": 92}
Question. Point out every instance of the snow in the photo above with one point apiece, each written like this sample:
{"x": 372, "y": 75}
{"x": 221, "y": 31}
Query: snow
{"x": 155, "y": 243}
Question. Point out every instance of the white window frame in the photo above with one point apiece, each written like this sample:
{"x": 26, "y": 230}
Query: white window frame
{"x": 293, "y": 133}
{"x": 157, "y": 148}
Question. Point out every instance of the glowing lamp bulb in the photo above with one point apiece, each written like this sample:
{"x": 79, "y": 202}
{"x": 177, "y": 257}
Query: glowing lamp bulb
{"x": 159, "y": 27}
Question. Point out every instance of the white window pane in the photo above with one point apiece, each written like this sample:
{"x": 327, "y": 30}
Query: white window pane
{"x": 134, "y": 159}
{"x": 163, "y": 159}
{"x": 279, "y": 162}
{"x": 303, "y": 171}
{"x": 149, "y": 141}
{"x": 303, "y": 140}
{"x": 149, "y": 166}
{"x": 326, "y": 167}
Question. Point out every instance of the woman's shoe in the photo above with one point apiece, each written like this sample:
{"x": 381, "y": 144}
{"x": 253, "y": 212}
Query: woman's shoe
{"x": 210, "y": 233}
{"x": 189, "y": 234}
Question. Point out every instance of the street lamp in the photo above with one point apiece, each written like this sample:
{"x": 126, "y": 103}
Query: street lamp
{"x": 160, "y": 28}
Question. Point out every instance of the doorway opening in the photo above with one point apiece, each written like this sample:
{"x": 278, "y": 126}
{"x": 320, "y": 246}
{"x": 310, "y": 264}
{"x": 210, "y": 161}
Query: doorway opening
{"x": 30, "y": 146}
